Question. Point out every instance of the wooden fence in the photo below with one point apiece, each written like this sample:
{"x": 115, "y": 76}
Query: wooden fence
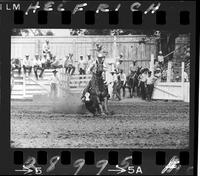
{"x": 130, "y": 45}
{"x": 26, "y": 88}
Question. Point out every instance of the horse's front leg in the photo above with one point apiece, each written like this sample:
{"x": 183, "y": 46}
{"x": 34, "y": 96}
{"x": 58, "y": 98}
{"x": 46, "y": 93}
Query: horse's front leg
{"x": 130, "y": 92}
{"x": 100, "y": 106}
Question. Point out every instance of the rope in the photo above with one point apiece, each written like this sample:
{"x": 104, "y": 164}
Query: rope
{"x": 175, "y": 50}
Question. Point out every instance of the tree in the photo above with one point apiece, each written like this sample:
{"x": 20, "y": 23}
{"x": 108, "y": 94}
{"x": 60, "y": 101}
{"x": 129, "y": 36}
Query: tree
{"x": 97, "y": 32}
{"x": 16, "y": 32}
{"x": 76, "y": 32}
{"x": 49, "y": 33}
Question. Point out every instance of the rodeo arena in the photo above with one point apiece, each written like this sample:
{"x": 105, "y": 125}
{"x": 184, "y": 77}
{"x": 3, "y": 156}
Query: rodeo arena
{"x": 99, "y": 91}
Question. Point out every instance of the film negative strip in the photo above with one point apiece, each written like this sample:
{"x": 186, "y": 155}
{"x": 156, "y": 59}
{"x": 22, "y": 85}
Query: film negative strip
{"x": 98, "y": 87}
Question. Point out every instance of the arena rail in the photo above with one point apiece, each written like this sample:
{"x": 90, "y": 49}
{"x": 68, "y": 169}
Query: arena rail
{"x": 26, "y": 88}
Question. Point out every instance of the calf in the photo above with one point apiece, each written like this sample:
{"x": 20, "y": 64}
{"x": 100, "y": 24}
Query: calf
{"x": 91, "y": 103}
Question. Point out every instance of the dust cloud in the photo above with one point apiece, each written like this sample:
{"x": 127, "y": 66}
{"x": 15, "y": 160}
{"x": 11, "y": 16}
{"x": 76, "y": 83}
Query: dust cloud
{"x": 70, "y": 104}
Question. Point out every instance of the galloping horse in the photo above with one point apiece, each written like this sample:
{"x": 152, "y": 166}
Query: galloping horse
{"x": 97, "y": 89}
{"x": 132, "y": 82}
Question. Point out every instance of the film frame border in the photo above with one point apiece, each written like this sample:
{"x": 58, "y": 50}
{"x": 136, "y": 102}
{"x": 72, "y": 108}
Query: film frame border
{"x": 5, "y": 104}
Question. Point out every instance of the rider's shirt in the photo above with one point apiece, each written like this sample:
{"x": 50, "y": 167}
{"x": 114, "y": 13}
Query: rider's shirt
{"x": 92, "y": 67}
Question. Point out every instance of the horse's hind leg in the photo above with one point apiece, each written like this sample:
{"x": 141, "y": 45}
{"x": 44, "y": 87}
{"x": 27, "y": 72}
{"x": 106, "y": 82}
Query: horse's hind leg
{"x": 106, "y": 105}
{"x": 130, "y": 92}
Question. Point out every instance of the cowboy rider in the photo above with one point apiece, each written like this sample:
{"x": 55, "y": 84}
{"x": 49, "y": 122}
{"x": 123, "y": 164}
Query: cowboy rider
{"x": 88, "y": 89}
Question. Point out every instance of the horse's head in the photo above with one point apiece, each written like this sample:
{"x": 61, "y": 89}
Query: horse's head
{"x": 99, "y": 64}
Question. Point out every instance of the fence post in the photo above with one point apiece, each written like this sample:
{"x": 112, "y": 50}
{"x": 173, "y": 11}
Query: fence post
{"x": 182, "y": 79}
{"x": 169, "y": 70}
{"x": 152, "y": 64}
{"x": 24, "y": 85}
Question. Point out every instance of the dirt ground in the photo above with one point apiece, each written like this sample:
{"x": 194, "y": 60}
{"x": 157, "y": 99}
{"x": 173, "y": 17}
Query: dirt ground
{"x": 135, "y": 124}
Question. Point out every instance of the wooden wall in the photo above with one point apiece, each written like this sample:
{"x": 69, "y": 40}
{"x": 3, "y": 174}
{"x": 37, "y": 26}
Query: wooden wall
{"x": 82, "y": 45}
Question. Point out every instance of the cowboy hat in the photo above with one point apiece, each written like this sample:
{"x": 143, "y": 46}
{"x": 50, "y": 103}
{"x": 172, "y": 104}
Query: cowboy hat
{"x": 144, "y": 70}
{"x": 158, "y": 69}
{"x": 160, "y": 52}
{"x": 27, "y": 55}
{"x": 100, "y": 55}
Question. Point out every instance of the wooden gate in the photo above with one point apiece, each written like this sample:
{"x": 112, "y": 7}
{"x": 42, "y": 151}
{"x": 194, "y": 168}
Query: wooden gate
{"x": 172, "y": 91}
{"x": 73, "y": 83}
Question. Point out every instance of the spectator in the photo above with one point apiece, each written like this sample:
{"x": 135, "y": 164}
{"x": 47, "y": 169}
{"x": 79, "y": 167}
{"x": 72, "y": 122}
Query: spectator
{"x": 150, "y": 85}
{"x": 123, "y": 81}
{"x": 160, "y": 59}
{"x": 27, "y": 65}
{"x": 158, "y": 74}
{"x": 12, "y": 81}
{"x": 49, "y": 60}
{"x": 68, "y": 64}
{"x": 57, "y": 63}
{"x": 90, "y": 62}
{"x": 156, "y": 65}
{"x": 16, "y": 65}
{"x": 110, "y": 79}
{"x": 185, "y": 76}
{"x": 133, "y": 67}
{"x": 46, "y": 48}
{"x": 143, "y": 80}
{"x": 164, "y": 76}
{"x": 118, "y": 88}
{"x": 81, "y": 66}
{"x": 38, "y": 66}
{"x": 44, "y": 61}
{"x": 114, "y": 85}
{"x": 119, "y": 64}
{"x": 54, "y": 85}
